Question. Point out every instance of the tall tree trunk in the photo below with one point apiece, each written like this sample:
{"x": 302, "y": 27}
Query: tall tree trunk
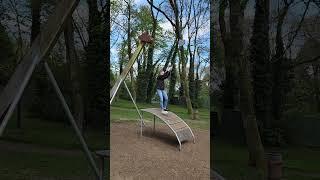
{"x": 106, "y": 35}
{"x": 35, "y": 30}
{"x": 255, "y": 147}
{"x": 133, "y": 91}
{"x": 183, "y": 79}
{"x": 191, "y": 75}
{"x": 96, "y": 68}
{"x": 73, "y": 68}
{"x": 173, "y": 76}
{"x": 213, "y": 58}
{"x": 197, "y": 85}
{"x": 35, "y": 27}
{"x": 149, "y": 73}
{"x": 316, "y": 84}
{"x": 280, "y": 74}
{"x": 149, "y": 65}
{"x": 19, "y": 58}
{"x": 231, "y": 87}
{"x": 261, "y": 70}
{"x": 182, "y": 57}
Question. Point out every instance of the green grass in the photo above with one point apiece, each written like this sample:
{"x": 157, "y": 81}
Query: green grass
{"x": 231, "y": 162}
{"x": 44, "y": 135}
{"x": 52, "y": 134}
{"x": 123, "y": 110}
{"x": 29, "y": 165}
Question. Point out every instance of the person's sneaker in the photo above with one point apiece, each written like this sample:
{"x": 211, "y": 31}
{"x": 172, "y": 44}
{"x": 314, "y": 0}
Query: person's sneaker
{"x": 164, "y": 112}
{"x": 166, "y": 109}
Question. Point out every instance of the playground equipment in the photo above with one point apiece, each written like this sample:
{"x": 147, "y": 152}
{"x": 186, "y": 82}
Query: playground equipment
{"x": 182, "y": 131}
{"x": 144, "y": 39}
{"x": 40, "y": 47}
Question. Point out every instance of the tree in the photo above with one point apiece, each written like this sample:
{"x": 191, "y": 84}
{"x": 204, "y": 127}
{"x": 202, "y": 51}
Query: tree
{"x": 261, "y": 64}
{"x": 281, "y": 74}
{"x": 6, "y": 55}
{"x": 96, "y": 66}
{"x": 73, "y": 68}
{"x": 197, "y": 14}
{"x": 176, "y": 23}
{"x": 18, "y": 18}
{"x": 147, "y": 21}
{"x": 231, "y": 87}
{"x": 262, "y": 82}
{"x": 236, "y": 53}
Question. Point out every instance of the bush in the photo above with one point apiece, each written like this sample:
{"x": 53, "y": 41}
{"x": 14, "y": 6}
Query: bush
{"x": 302, "y": 128}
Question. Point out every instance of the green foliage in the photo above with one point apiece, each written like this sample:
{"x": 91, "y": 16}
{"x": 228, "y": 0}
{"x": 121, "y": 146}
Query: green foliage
{"x": 123, "y": 93}
{"x": 42, "y": 99}
{"x": 112, "y": 79}
{"x": 204, "y": 93}
{"x": 304, "y": 94}
{"x": 141, "y": 84}
{"x": 144, "y": 22}
{"x": 6, "y": 55}
{"x": 301, "y": 128}
{"x": 274, "y": 137}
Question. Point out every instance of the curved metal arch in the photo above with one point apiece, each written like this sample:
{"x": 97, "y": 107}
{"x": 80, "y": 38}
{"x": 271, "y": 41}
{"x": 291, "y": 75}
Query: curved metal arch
{"x": 156, "y": 112}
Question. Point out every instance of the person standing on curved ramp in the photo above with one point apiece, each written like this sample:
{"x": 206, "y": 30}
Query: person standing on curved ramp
{"x": 164, "y": 74}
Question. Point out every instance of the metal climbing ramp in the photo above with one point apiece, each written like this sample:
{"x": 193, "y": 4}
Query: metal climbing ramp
{"x": 180, "y": 128}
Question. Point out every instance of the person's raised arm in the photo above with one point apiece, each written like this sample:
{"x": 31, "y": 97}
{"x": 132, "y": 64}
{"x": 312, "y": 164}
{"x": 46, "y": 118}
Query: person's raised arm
{"x": 167, "y": 72}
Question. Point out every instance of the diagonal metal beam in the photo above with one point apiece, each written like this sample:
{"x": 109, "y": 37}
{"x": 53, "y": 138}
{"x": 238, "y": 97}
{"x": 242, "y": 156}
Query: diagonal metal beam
{"x": 72, "y": 121}
{"x": 135, "y": 105}
{"x": 144, "y": 39}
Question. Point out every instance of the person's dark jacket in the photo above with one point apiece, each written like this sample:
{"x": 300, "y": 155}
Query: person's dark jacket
{"x": 160, "y": 80}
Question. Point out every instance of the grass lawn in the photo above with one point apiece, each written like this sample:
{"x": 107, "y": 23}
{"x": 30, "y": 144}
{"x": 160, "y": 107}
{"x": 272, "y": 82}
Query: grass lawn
{"x": 33, "y": 166}
{"x": 47, "y": 138}
{"x": 231, "y": 161}
{"x": 125, "y": 110}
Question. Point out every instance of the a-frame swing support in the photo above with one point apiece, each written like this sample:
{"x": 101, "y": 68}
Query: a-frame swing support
{"x": 41, "y": 46}
{"x": 144, "y": 39}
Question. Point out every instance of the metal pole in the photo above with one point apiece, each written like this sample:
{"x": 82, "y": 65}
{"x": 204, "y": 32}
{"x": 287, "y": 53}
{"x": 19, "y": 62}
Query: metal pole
{"x": 140, "y": 128}
{"x": 18, "y": 96}
{"x": 114, "y": 93}
{"x": 72, "y": 121}
{"x": 125, "y": 72}
{"x": 135, "y": 105}
{"x": 154, "y": 123}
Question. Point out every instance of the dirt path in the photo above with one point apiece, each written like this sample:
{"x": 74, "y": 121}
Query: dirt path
{"x": 156, "y": 156}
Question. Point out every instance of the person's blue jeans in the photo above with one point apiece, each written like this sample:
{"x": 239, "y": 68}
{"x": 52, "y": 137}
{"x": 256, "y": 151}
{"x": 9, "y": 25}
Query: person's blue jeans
{"x": 163, "y": 98}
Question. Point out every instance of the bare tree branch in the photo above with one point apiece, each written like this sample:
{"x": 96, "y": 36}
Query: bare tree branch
{"x": 296, "y": 64}
{"x": 162, "y": 12}
{"x": 296, "y": 31}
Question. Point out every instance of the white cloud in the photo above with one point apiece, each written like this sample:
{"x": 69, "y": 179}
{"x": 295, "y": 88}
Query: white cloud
{"x": 140, "y": 2}
{"x": 166, "y": 26}
{"x": 202, "y": 32}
